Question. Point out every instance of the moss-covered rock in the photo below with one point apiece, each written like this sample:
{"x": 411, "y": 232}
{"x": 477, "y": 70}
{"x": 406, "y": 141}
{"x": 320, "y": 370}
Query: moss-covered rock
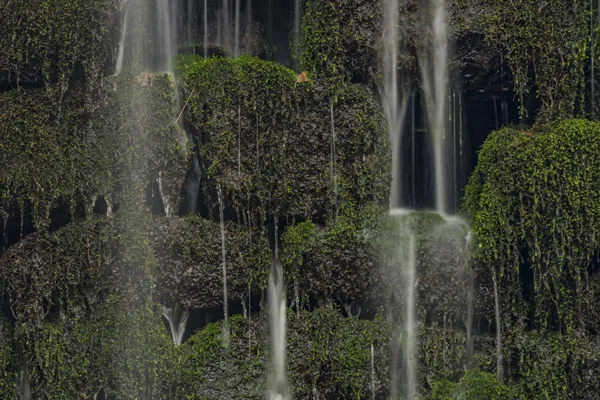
{"x": 281, "y": 147}
{"x": 188, "y": 254}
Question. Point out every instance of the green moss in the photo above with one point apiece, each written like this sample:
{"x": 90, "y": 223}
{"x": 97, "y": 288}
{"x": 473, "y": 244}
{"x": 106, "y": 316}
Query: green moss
{"x": 341, "y": 39}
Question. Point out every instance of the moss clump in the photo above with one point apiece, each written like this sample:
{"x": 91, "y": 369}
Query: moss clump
{"x": 341, "y": 38}
{"x": 42, "y": 40}
{"x": 332, "y": 263}
{"x": 261, "y": 137}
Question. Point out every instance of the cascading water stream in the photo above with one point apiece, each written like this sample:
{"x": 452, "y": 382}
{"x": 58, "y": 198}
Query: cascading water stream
{"x": 435, "y": 87}
{"x": 236, "y": 50}
{"x": 278, "y": 387}
{"x": 333, "y": 170}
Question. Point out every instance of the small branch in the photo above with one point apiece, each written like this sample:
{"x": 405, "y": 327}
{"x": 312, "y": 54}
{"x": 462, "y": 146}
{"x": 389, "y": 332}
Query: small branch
{"x": 185, "y": 105}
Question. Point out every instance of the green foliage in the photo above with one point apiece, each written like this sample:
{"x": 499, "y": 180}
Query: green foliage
{"x": 261, "y": 137}
{"x": 541, "y": 194}
{"x": 42, "y": 40}
{"x": 443, "y": 390}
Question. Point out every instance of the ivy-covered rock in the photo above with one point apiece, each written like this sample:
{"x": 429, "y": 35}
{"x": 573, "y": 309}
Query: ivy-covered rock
{"x": 277, "y": 146}
{"x": 537, "y": 53}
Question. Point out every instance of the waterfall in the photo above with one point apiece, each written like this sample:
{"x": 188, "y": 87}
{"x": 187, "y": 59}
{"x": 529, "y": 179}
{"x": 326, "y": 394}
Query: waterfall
{"x": 278, "y": 387}
{"x": 435, "y": 76}
{"x": 177, "y": 319}
{"x": 410, "y": 350}
{"x": 141, "y": 36}
{"x": 167, "y": 41}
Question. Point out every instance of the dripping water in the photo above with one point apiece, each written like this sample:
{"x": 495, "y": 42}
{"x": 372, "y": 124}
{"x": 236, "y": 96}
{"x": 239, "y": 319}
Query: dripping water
{"x": 333, "y": 171}
{"x": 163, "y": 197}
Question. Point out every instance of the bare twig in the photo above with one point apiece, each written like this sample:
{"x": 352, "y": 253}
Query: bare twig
{"x": 185, "y": 105}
